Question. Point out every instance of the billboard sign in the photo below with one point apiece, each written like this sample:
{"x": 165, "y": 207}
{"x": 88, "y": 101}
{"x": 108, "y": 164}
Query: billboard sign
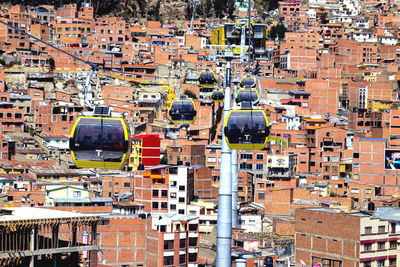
{"x": 392, "y": 159}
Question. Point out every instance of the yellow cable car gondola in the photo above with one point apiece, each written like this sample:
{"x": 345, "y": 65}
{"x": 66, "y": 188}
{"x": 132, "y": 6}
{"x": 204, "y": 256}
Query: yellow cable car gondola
{"x": 247, "y": 82}
{"x": 99, "y": 142}
{"x": 246, "y": 95}
{"x": 182, "y": 110}
{"x": 246, "y": 129}
{"x": 217, "y": 95}
{"x": 207, "y": 79}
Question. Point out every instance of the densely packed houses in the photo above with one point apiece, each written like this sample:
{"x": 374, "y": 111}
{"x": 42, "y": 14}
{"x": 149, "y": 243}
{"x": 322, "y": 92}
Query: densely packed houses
{"x": 330, "y": 87}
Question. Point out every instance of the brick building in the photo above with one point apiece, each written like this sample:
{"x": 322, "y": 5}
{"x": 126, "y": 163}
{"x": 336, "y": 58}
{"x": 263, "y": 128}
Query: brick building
{"x": 325, "y": 236}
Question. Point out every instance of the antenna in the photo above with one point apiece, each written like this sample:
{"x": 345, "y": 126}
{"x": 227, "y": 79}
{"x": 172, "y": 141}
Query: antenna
{"x": 194, "y": 3}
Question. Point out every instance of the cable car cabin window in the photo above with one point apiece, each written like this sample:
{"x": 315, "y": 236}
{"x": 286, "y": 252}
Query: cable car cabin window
{"x": 248, "y": 83}
{"x": 246, "y": 127}
{"x": 217, "y": 95}
{"x": 246, "y": 96}
{"x": 206, "y": 79}
{"x": 97, "y": 134}
{"x": 182, "y": 111}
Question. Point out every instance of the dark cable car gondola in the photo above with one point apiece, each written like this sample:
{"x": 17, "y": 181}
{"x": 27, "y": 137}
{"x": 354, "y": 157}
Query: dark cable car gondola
{"x": 246, "y": 95}
{"x": 182, "y": 110}
{"x": 207, "y": 79}
{"x": 99, "y": 142}
{"x": 217, "y": 95}
{"x": 247, "y": 82}
{"x": 246, "y": 128}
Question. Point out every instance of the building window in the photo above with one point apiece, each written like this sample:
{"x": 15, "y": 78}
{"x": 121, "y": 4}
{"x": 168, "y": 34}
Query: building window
{"x": 127, "y": 185}
{"x": 182, "y": 259}
{"x": 164, "y": 205}
{"x": 259, "y": 166}
{"x": 164, "y": 193}
{"x": 381, "y": 245}
{"x": 181, "y": 200}
{"x": 356, "y": 155}
{"x": 192, "y": 227}
{"x": 182, "y": 243}
{"x": 168, "y": 260}
{"x": 181, "y": 211}
{"x": 392, "y": 262}
{"x": 181, "y": 188}
{"x": 168, "y": 244}
{"x": 192, "y": 241}
{"x": 381, "y": 262}
{"x": 77, "y": 193}
{"x": 367, "y": 264}
{"x": 260, "y": 185}
{"x": 354, "y": 190}
{"x": 326, "y": 158}
{"x": 393, "y": 244}
{"x": 261, "y": 196}
{"x": 381, "y": 229}
{"x": 367, "y": 190}
{"x": 393, "y": 226}
{"x": 155, "y": 193}
{"x": 154, "y": 205}
{"x": 172, "y": 194}
{"x": 368, "y": 230}
{"x": 192, "y": 257}
{"x": 260, "y": 156}
{"x": 367, "y": 247}
{"x": 172, "y": 207}
{"x": 335, "y": 159}
{"x": 246, "y": 156}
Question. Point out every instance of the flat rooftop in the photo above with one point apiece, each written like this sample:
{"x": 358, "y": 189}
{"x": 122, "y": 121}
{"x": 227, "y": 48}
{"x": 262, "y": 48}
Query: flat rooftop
{"x": 21, "y": 215}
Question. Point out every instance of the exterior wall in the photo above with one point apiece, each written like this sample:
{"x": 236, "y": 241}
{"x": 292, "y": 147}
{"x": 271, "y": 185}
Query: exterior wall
{"x": 378, "y": 243}
{"x": 181, "y": 189}
{"x": 124, "y": 240}
{"x": 321, "y": 234}
{"x": 369, "y": 165}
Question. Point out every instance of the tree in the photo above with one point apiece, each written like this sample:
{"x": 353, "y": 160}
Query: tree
{"x": 52, "y": 65}
{"x": 208, "y": 8}
{"x": 323, "y": 18}
{"x": 190, "y": 94}
{"x": 231, "y": 8}
{"x": 164, "y": 159}
{"x": 278, "y": 31}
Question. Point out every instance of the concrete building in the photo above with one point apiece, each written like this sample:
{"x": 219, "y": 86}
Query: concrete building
{"x": 328, "y": 237}
{"x": 181, "y": 188}
{"x": 50, "y": 237}
{"x": 176, "y": 241}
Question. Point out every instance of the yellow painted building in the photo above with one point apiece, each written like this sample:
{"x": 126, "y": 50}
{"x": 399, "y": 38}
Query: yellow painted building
{"x": 55, "y": 175}
{"x": 135, "y": 158}
{"x": 375, "y": 105}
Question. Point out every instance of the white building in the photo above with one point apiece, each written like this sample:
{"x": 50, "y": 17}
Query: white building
{"x": 55, "y": 141}
{"x": 181, "y": 188}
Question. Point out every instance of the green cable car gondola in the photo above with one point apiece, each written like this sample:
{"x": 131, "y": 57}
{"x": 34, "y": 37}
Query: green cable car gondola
{"x": 217, "y": 95}
{"x": 182, "y": 110}
{"x": 207, "y": 79}
{"x": 246, "y": 129}
{"x": 99, "y": 142}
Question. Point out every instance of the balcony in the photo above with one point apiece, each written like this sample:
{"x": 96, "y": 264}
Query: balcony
{"x": 279, "y": 174}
